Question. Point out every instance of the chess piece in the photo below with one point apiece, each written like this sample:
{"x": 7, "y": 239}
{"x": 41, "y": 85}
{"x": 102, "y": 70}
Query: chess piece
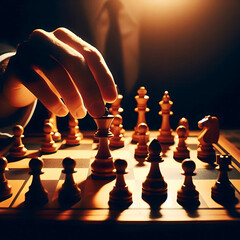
{"x": 74, "y": 136}
{"x": 102, "y": 166}
{"x": 223, "y": 191}
{"x": 117, "y": 140}
{"x": 5, "y": 188}
{"x": 154, "y": 187}
{"x": 184, "y": 122}
{"x": 165, "y": 132}
{"x": 37, "y": 195}
{"x": 188, "y": 196}
{"x": 207, "y": 137}
{"x": 48, "y": 145}
{"x": 141, "y": 150}
{"x": 120, "y": 196}
{"x": 181, "y": 152}
{"x": 141, "y": 109}
{"x": 69, "y": 193}
{"x": 53, "y": 120}
{"x": 18, "y": 149}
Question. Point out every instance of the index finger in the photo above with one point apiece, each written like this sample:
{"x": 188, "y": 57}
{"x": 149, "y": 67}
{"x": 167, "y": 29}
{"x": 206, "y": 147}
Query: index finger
{"x": 94, "y": 60}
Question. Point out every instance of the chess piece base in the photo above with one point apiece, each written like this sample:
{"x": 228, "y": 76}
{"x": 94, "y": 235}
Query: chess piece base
{"x": 36, "y": 198}
{"x": 5, "y": 191}
{"x": 103, "y": 168}
{"x": 120, "y": 198}
{"x": 188, "y": 199}
{"x": 165, "y": 137}
{"x": 18, "y": 152}
{"x": 224, "y": 194}
{"x": 69, "y": 196}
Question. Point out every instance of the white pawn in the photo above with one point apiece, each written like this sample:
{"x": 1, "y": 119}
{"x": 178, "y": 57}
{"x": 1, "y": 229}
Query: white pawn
{"x": 48, "y": 145}
{"x": 18, "y": 149}
{"x": 117, "y": 140}
{"x": 181, "y": 152}
{"x": 74, "y": 136}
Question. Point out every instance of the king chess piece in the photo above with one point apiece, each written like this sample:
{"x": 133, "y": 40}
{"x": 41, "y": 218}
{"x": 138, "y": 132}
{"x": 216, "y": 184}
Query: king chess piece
{"x": 120, "y": 196}
{"x": 141, "y": 109}
{"x": 207, "y": 137}
{"x": 188, "y": 196}
{"x": 223, "y": 191}
{"x": 165, "y": 132}
{"x": 102, "y": 166}
{"x": 154, "y": 188}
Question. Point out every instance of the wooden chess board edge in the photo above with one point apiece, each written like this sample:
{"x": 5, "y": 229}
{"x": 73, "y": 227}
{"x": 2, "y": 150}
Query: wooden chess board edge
{"x": 139, "y": 216}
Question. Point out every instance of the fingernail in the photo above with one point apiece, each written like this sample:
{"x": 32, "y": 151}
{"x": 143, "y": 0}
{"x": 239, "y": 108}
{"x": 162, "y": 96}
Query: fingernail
{"x": 80, "y": 113}
{"x": 62, "y": 112}
{"x": 110, "y": 94}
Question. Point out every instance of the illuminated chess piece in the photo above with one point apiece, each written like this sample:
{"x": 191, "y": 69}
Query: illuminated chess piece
{"x": 120, "y": 196}
{"x": 223, "y": 191}
{"x": 141, "y": 150}
{"x": 74, "y": 136}
{"x": 165, "y": 132}
{"x": 117, "y": 140}
{"x": 48, "y": 145}
{"x": 188, "y": 196}
{"x": 18, "y": 149}
{"x": 184, "y": 122}
{"x": 69, "y": 193}
{"x": 154, "y": 187}
{"x": 181, "y": 152}
{"x": 102, "y": 166}
{"x": 53, "y": 120}
{"x": 5, "y": 188}
{"x": 37, "y": 195}
{"x": 207, "y": 137}
{"x": 141, "y": 109}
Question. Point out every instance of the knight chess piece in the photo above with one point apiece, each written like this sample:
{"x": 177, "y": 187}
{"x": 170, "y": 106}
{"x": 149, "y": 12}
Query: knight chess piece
{"x": 223, "y": 191}
{"x": 154, "y": 188}
{"x": 165, "y": 132}
{"x": 120, "y": 196}
{"x": 181, "y": 152}
{"x": 37, "y": 196}
{"x": 69, "y": 193}
{"x": 18, "y": 150}
{"x": 141, "y": 109}
{"x": 188, "y": 196}
{"x": 5, "y": 188}
{"x": 207, "y": 137}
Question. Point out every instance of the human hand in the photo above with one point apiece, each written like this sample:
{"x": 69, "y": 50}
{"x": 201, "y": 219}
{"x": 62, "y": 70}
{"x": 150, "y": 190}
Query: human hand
{"x": 63, "y": 71}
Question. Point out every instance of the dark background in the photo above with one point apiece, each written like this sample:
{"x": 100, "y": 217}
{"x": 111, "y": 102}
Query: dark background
{"x": 191, "y": 49}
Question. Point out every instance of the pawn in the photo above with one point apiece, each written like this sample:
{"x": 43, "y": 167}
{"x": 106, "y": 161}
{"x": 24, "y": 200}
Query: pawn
{"x": 120, "y": 196}
{"x": 154, "y": 187}
{"x": 182, "y": 152}
{"x": 48, "y": 145}
{"x": 18, "y": 149}
{"x": 223, "y": 191}
{"x": 141, "y": 150}
{"x": 188, "y": 196}
{"x": 5, "y": 188}
{"x": 70, "y": 193}
{"x": 74, "y": 136}
{"x": 37, "y": 195}
{"x": 117, "y": 140}
{"x": 184, "y": 122}
{"x": 53, "y": 119}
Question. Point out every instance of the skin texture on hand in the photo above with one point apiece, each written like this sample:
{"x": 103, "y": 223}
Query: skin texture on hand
{"x": 63, "y": 71}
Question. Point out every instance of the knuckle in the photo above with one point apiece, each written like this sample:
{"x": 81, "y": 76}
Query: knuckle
{"x": 92, "y": 54}
{"x": 38, "y": 33}
{"x": 60, "y": 30}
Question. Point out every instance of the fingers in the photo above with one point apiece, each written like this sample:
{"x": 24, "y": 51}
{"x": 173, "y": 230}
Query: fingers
{"x": 77, "y": 68}
{"x": 94, "y": 60}
{"x": 46, "y": 95}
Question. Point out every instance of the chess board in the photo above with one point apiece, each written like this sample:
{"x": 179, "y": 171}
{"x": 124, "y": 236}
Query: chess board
{"x": 94, "y": 208}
